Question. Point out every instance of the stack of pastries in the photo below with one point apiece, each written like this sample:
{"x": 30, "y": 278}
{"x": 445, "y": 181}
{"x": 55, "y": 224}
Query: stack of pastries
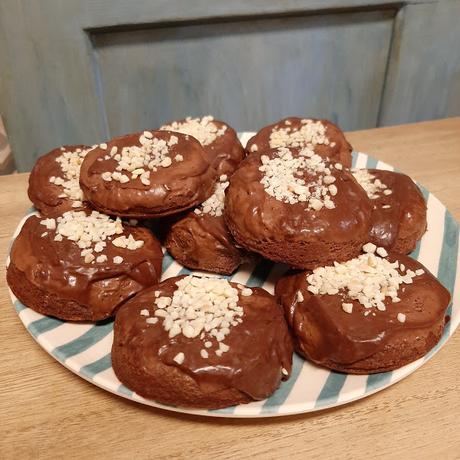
{"x": 351, "y": 299}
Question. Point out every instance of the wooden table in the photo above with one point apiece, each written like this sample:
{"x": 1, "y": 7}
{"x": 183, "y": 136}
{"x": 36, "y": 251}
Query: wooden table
{"x": 48, "y": 412}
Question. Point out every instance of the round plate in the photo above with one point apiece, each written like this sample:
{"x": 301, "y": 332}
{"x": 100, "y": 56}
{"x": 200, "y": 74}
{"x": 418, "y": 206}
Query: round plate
{"x": 85, "y": 348}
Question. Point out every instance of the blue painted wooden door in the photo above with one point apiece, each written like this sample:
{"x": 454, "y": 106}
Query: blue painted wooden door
{"x": 83, "y": 71}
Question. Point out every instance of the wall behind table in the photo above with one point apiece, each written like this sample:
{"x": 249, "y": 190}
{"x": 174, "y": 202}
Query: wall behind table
{"x": 81, "y": 72}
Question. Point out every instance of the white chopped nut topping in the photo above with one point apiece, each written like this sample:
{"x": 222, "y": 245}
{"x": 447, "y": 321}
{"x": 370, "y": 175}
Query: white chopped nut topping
{"x": 284, "y": 371}
{"x": 214, "y": 205}
{"x": 368, "y": 278}
{"x": 90, "y": 232}
{"x": 246, "y": 292}
{"x": 401, "y": 317}
{"x": 309, "y": 134}
{"x": 280, "y": 178}
{"x": 347, "y": 307}
{"x": 50, "y": 223}
{"x": 139, "y": 161}
{"x": 370, "y": 184}
{"x": 70, "y": 162}
{"x": 144, "y": 312}
{"x": 386, "y": 206}
{"x": 44, "y": 234}
{"x": 204, "y": 354}
{"x": 201, "y": 305}
{"x": 127, "y": 242}
{"x": 118, "y": 260}
{"x": 223, "y": 347}
{"x": 89, "y": 258}
{"x": 203, "y": 129}
{"x": 151, "y": 320}
{"x": 299, "y": 297}
{"x": 370, "y": 248}
{"x": 381, "y": 252}
{"x": 179, "y": 358}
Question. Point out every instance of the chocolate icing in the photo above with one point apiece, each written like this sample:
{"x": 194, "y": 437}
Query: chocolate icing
{"x": 341, "y": 152}
{"x": 204, "y": 242}
{"x": 173, "y": 189}
{"x": 259, "y": 347}
{"x": 324, "y": 333}
{"x": 226, "y": 152}
{"x": 45, "y": 195}
{"x": 256, "y": 219}
{"x": 400, "y": 226}
{"x": 58, "y": 267}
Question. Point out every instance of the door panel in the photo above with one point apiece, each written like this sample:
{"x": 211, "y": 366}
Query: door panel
{"x": 248, "y": 73}
{"x": 83, "y": 71}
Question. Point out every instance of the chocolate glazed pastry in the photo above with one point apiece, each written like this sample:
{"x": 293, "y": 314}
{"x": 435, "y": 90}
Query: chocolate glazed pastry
{"x": 54, "y": 181}
{"x": 362, "y": 341}
{"x": 294, "y": 232}
{"x": 203, "y": 242}
{"x": 399, "y": 214}
{"x": 53, "y": 278}
{"x": 195, "y": 371}
{"x": 326, "y": 138}
{"x": 147, "y": 175}
{"x": 219, "y": 141}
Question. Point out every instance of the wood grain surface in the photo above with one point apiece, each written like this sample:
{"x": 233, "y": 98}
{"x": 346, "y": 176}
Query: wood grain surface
{"x": 48, "y": 412}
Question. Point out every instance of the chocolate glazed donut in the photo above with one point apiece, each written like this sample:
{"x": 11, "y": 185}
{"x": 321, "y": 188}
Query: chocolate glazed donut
{"x": 398, "y": 219}
{"x": 292, "y": 233}
{"x": 46, "y": 196}
{"x": 52, "y": 278}
{"x": 259, "y": 356}
{"x": 184, "y": 183}
{"x": 363, "y": 344}
{"x": 224, "y": 153}
{"x": 203, "y": 242}
{"x": 338, "y": 148}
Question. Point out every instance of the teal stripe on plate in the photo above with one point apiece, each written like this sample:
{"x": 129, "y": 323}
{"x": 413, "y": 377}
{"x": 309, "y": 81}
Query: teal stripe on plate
{"x": 375, "y": 381}
{"x": 125, "y": 391}
{"x": 277, "y": 399}
{"x": 331, "y": 389}
{"x": 260, "y": 274}
{"x": 371, "y": 163}
{"x": 415, "y": 253}
{"x": 226, "y": 410}
{"x": 185, "y": 271}
{"x": 424, "y": 191}
{"x": 82, "y": 343}
{"x": 43, "y": 325}
{"x": 100, "y": 365}
{"x": 18, "y": 306}
{"x": 447, "y": 270}
{"x": 167, "y": 261}
{"x": 354, "y": 159}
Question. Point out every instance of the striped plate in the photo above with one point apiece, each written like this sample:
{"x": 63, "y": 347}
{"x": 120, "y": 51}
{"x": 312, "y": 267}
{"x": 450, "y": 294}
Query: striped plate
{"x": 85, "y": 348}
